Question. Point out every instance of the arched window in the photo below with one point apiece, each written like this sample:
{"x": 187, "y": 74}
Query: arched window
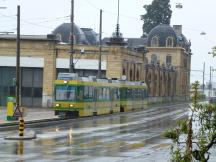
{"x": 185, "y": 62}
{"x": 154, "y": 59}
{"x": 169, "y": 42}
{"x": 123, "y": 71}
{"x": 168, "y": 60}
{"x": 155, "y": 41}
{"x": 131, "y": 75}
{"x": 137, "y": 75}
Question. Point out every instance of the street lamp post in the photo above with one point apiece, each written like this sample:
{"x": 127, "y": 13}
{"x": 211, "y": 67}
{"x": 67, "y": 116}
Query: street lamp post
{"x": 212, "y": 90}
{"x": 211, "y": 80}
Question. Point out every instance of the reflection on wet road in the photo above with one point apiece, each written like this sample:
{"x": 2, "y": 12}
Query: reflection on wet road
{"x": 125, "y": 137}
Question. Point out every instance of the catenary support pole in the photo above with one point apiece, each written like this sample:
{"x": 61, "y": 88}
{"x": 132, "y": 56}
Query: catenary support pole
{"x": 71, "y": 65}
{"x": 100, "y": 35}
{"x": 18, "y": 60}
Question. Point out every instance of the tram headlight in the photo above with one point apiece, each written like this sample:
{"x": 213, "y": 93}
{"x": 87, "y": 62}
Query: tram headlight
{"x": 57, "y": 105}
{"x": 71, "y": 105}
{"x": 65, "y": 81}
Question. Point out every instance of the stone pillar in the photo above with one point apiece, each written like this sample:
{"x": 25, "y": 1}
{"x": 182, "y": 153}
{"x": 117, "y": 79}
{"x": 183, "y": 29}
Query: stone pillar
{"x": 49, "y": 76}
{"x": 163, "y": 82}
{"x": 114, "y": 63}
{"x": 166, "y": 83}
{"x": 158, "y": 81}
{"x": 172, "y": 83}
{"x": 153, "y": 81}
{"x": 179, "y": 84}
{"x": 148, "y": 79}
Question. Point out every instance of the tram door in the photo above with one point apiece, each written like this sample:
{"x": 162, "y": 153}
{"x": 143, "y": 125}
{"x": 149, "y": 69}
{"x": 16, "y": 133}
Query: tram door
{"x": 32, "y": 80}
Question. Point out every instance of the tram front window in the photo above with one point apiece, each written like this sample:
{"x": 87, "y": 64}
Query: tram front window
{"x": 65, "y": 93}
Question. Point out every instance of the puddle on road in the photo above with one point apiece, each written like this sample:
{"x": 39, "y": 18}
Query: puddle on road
{"x": 117, "y": 138}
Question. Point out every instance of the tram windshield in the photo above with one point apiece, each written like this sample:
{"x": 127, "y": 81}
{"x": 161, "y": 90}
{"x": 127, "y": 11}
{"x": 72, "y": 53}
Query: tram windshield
{"x": 65, "y": 93}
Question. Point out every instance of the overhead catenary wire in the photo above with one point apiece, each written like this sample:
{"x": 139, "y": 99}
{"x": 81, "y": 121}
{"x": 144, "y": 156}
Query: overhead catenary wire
{"x": 47, "y": 20}
{"x": 110, "y": 12}
{"x": 35, "y": 23}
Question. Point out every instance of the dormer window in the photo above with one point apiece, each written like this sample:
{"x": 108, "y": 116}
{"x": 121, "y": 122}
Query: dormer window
{"x": 169, "y": 42}
{"x": 59, "y": 37}
{"x": 155, "y": 41}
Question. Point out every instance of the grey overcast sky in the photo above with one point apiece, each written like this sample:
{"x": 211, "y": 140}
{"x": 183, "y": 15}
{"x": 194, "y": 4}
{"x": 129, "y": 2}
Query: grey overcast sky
{"x": 43, "y": 16}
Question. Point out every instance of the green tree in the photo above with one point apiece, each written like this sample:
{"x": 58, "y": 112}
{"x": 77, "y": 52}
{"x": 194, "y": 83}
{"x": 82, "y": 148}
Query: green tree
{"x": 159, "y": 12}
{"x": 213, "y": 51}
{"x": 194, "y": 137}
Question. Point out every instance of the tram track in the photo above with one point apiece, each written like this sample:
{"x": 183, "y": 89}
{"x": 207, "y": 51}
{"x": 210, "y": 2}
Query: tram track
{"x": 151, "y": 110}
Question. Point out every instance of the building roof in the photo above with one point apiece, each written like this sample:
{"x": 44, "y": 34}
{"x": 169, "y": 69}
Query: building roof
{"x": 131, "y": 42}
{"x": 136, "y": 42}
{"x": 162, "y": 31}
{"x": 29, "y": 37}
{"x": 82, "y": 35}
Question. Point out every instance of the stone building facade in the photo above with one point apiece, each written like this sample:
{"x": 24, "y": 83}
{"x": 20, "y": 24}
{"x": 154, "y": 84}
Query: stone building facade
{"x": 165, "y": 68}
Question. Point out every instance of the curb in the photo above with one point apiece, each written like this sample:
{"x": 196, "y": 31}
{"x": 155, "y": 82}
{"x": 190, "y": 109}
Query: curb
{"x": 13, "y": 125}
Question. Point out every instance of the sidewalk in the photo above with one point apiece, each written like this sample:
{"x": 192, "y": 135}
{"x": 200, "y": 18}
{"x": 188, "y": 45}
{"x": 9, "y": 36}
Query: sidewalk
{"x": 32, "y": 114}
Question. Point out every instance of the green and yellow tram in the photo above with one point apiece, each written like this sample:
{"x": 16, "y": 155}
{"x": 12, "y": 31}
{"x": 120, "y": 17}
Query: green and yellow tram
{"x": 88, "y": 96}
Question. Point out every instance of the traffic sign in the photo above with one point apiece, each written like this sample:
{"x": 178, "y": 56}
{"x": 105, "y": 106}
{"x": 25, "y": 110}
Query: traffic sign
{"x": 17, "y": 112}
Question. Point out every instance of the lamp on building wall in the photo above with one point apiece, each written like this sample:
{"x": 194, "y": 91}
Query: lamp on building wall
{"x": 203, "y": 33}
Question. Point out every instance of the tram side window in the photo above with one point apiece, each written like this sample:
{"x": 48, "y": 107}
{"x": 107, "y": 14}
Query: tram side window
{"x": 106, "y": 94}
{"x": 107, "y": 97}
{"x": 139, "y": 93}
{"x": 123, "y": 94}
{"x": 145, "y": 93}
{"x": 129, "y": 93}
{"x": 91, "y": 92}
{"x": 116, "y": 94}
{"x": 100, "y": 93}
{"x": 79, "y": 93}
{"x": 142, "y": 93}
{"x": 88, "y": 92}
{"x": 103, "y": 93}
{"x": 135, "y": 94}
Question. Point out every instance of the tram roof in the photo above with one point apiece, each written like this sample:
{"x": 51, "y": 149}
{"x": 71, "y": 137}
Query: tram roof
{"x": 73, "y": 78}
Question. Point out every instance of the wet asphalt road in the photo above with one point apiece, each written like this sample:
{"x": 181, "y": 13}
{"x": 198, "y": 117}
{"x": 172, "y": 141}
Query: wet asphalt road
{"x": 123, "y": 137}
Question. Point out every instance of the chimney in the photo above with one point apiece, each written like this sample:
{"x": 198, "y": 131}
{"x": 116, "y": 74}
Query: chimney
{"x": 178, "y": 29}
